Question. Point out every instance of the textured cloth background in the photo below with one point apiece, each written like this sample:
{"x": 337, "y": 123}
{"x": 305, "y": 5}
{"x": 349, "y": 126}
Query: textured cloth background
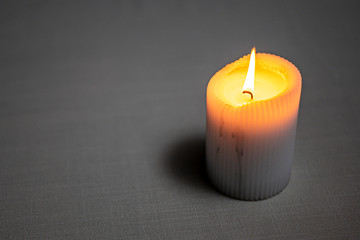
{"x": 102, "y": 119}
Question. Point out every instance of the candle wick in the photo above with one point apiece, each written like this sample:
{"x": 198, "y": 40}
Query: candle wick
{"x": 252, "y": 97}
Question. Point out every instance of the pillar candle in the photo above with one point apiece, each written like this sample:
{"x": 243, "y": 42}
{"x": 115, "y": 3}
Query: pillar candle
{"x": 251, "y": 115}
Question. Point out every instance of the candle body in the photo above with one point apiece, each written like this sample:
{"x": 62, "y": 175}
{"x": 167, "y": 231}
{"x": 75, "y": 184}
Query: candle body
{"x": 250, "y": 143}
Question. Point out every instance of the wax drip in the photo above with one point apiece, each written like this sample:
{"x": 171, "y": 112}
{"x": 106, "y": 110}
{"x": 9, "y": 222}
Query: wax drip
{"x": 222, "y": 123}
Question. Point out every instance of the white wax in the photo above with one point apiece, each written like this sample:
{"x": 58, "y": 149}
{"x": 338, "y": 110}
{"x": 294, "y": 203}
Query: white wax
{"x": 249, "y": 147}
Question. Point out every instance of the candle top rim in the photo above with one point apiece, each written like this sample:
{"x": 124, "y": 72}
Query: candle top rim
{"x": 269, "y": 61}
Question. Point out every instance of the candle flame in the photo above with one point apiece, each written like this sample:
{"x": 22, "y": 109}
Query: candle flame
{"x": 250, "y": 76}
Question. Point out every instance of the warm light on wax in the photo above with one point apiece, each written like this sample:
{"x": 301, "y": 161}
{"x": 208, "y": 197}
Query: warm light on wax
{"x": 259, "y": 82}
{"x": 251, "y": 111}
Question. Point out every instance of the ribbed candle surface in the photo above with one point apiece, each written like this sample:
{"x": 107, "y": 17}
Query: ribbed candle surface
{"x": 249, "y": 147}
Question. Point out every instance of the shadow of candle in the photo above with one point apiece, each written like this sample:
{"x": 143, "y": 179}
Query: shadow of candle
{"x": 185, "y": 160}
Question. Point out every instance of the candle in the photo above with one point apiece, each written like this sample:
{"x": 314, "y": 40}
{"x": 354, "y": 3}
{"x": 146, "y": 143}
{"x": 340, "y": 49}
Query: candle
{"x": 251, "y": 114}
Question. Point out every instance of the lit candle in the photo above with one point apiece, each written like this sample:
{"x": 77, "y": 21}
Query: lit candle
{"x": 252, "y": 106}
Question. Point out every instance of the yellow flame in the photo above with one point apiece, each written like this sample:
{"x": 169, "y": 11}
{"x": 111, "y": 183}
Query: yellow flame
{"x": 250, "y": 76}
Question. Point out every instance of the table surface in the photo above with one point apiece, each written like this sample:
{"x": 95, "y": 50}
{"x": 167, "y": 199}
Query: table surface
{"x": 102, "y": 119}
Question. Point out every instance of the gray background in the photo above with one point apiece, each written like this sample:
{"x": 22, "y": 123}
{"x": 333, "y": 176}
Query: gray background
{"x": 102, "y": 119}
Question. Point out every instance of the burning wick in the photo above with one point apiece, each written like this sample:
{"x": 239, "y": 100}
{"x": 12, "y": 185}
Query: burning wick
{"x": 252, "y": 97}
{"x": 250, "y": 76}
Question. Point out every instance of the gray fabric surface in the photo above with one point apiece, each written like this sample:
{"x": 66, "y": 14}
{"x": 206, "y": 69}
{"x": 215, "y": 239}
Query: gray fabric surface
{"x": 102, "y": 119}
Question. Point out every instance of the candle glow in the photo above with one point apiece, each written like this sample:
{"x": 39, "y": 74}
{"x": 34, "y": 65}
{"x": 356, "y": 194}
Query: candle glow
{"x": 250, "y": 76}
